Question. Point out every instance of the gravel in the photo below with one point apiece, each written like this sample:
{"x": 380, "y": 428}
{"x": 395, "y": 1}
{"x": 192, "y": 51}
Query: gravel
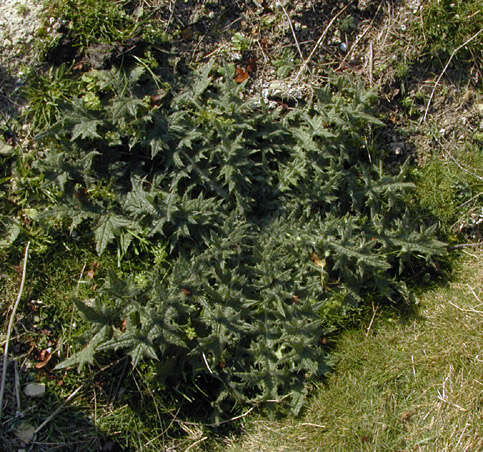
{"x": 19, "y": 20}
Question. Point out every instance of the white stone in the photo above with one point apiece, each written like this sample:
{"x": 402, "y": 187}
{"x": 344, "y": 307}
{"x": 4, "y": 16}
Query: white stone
{"x": 34, "y": 390}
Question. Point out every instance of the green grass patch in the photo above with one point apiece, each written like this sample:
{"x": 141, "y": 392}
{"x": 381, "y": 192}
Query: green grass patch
{"x": 451, "y": 195}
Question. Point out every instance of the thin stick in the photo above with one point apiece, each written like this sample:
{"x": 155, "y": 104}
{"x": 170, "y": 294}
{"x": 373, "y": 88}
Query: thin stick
{"x": 58, "y": 410}
{"x": 246, "y": 413}
{"x": 195, "y": 443}
{"x": 10, "y": 325}
{"x": 374, "y": 310}
{"x": 292, "y": 29}
{"x": 465, "y": 310}
{"x": 444, "y": 70}
{"x": 263, "y": 52}
{"x": 465, "y": 245}
{"x": 349, "y": 53}
{"x": 319, "y": 41}
{"x": 309, "y": 424}
{"x": 474, "y": 294}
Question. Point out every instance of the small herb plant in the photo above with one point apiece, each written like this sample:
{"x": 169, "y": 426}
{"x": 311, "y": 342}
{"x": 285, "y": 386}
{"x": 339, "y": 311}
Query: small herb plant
{"x": 279, "y": 225}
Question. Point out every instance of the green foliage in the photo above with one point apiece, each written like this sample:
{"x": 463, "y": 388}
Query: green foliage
{"x": 278, "y": 224}
{"x": 285, "y": 63}
{"x": 240, "y": 42}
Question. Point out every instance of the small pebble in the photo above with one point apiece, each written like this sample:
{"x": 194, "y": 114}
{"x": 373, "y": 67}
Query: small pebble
{"x": 34, "y": 390}
{"x": 343, "y": 47}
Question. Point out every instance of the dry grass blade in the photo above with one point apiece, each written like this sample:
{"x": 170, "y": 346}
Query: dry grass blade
{"x": 319, "y": 41}
{"x": 455, "y": 51}
{"x": 10, "y": 326}
{"x": 58, "y": 410}
{"x": 292, "y": 29}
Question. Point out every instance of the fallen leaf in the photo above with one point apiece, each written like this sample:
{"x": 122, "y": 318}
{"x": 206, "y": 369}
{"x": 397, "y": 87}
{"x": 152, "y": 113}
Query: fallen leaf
{"x": 241, "y": 75}
{"x": 186, "y": 291}
{"x": 123, "y": 325}
{"x": 296, "y": 299}
{"x": 90, "y": 274}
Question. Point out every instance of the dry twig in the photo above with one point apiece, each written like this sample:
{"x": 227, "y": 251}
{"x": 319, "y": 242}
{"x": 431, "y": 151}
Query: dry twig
{"x": 374, "y": 310}
{"x": 10, "y": 326}
{"x": 371, "y": 63}
{"x": 195, "y": 443}
{"x": 353, "y": 47}
{"x": 292, "y": 29}
{"x": 58, "y": 410}
{"x": 319, "y": 41}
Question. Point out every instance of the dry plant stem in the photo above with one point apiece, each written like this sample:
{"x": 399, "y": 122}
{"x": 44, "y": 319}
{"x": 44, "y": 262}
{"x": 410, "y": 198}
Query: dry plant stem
{"x": 349, "y": 53}
{"x": 474, "y": 311}
{"x": 246, "y": 413}
{"x": 371, "y": 63}
{"x": 57, "y": 411}
{"x": 465, "y": 245}
{"x": 319, "y": 41}
{"x": 292, "y": 29}
{"x": 10, "y": 326}
{"x": 195, "y": 443}
{"x": 263, "y": 52}
{"x": 374, "y": 310}
{"x": 216, "y": 424}
{"x": 444, "y": 70}
{"x": 309, "y": 424}
{"x": 474, "y": 294}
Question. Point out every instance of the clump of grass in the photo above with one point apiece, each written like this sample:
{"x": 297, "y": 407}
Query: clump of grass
{"x": 89, "y": 22}
{"x": 410, "y": 385}
{"x": 46, "y": 92}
